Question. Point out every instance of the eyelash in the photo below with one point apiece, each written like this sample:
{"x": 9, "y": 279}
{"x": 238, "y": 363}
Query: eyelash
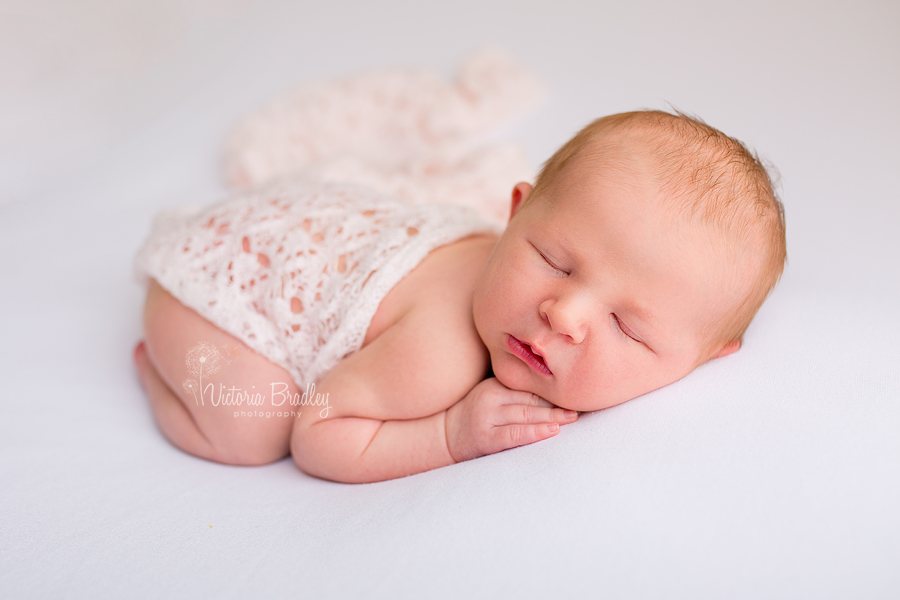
{"x": 622, "y": 330}
{"x": 552, "y": 266}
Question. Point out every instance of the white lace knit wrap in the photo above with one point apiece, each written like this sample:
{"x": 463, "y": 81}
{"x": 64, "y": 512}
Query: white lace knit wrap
{"x": 404, "y": 132}
{"x": 297, "y": 270}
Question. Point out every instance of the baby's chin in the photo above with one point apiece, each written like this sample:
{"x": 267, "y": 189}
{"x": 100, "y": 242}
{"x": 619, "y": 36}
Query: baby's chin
{"x": 515, "y": 381}
{"x": 521, "y": 380}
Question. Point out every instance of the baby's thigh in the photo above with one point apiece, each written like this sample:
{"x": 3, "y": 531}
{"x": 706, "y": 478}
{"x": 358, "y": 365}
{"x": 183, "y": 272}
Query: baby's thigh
{"x": 226, "y": 386}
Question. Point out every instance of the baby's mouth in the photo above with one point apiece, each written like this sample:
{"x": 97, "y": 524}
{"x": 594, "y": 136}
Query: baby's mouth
{"x": 525, "y": 353}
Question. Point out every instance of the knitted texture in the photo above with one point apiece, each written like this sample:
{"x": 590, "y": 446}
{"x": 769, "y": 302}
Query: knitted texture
{"x": 297, "y": 270}
{"x": 403, "y": 132}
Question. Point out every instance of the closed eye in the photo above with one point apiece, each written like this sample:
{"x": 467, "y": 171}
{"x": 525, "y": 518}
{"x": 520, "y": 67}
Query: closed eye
{"x": 624, "y": 328}
{"x": 549, "y": 262}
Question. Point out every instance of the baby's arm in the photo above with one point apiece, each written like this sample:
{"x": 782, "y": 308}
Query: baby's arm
{"x": 388, "y": 420}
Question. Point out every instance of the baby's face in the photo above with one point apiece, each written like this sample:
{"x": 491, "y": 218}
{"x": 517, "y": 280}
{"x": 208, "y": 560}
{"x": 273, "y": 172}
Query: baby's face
{"x": 594, "y": 296}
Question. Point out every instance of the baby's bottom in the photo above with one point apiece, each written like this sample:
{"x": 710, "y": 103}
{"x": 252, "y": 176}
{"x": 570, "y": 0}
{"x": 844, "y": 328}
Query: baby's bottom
{"x": 188, "y": 367}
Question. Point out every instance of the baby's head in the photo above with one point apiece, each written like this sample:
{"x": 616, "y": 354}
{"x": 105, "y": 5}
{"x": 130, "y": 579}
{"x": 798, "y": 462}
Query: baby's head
{"x": 646, "y": 246}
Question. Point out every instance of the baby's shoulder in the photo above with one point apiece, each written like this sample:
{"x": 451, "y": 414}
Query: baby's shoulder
{"x": 432, "y": 306}
{"x": 422, "y": 352}
{"x": 440, "y": 287}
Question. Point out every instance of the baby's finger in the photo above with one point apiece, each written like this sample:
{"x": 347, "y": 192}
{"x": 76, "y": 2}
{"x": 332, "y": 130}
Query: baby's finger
{"x": 532, "y": 400}
{"x": 511, "y": 436}
{"x": 525, "y": 413}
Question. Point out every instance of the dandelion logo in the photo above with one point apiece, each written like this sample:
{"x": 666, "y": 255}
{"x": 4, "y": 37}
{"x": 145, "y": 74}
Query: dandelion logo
{"x": 202, "y": 361}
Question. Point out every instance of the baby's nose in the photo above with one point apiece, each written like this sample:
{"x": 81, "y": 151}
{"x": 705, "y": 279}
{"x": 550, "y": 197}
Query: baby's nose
{"x": 564, "y": 318}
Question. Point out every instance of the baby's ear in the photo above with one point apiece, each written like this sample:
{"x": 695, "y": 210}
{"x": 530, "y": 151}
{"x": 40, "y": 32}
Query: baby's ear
{"x": 730, "y": 347}
{"x": 519, "y": 195}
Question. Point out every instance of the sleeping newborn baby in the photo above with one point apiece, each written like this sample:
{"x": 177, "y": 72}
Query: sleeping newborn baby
{"x": 371, "y": 339}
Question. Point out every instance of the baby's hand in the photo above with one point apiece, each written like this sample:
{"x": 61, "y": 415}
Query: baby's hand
{"x": 492, "y": 418}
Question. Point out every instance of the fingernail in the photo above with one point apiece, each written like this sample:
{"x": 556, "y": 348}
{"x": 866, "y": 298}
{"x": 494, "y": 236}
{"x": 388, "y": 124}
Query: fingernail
{"x": 571, "y": 414}
{"x": 553, "y": 427}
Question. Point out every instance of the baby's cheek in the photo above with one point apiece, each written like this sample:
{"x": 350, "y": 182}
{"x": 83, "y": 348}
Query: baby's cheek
{"x": 589, "y": 386}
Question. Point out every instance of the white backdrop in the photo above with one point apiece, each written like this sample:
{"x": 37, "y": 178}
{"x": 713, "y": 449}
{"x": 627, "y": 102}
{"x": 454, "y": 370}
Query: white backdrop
{"x": 774, "y": 472}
